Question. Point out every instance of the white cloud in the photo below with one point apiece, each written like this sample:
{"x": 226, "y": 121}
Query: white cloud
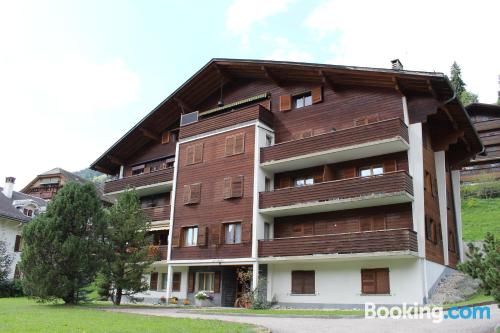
{"x": 425, "y": 35}
{"x": 243, "y": 14}
{"x": 286, "y": 51}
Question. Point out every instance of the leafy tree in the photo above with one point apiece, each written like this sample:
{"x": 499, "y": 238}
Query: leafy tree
{"x": 485, "y": 265}
{"x": 458, "y": 85}
{"x": 129, "y": 252}
{"x": 62, "y": 247}
{"x": 5, "y": 262}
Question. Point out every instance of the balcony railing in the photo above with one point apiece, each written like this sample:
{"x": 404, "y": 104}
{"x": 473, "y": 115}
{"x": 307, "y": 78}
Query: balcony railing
{"x": 387, "y": 188}
{"x": 345, "y": 243}
{"x": 145, "y": 179}
{"x": 227, "y": 119}
{"x": 158, "y": 251}
{"x": 384, "y": 137}
{"x": 159, "y": 213}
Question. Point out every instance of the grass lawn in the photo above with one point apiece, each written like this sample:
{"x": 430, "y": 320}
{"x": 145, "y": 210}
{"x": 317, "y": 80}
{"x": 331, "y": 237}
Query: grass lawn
{"x": 480, "y": 216}
{"x": 23, "y": 315}
{"x": 478, "y": 298}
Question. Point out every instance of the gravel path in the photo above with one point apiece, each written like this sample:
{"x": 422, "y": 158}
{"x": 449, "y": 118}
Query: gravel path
{"x": 348, "y": 325}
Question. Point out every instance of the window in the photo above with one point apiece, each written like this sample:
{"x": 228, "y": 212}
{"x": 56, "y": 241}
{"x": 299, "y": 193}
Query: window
{"x": 269, "y": 140}
{"x": 235, "y": 144}
{"x": 232, "y": 233}
{"x": 153, "y": 281}
{"x": 303, "y": 181}
{"x": 206, "y": 281}
{"x": 194, "y": 154}
{"x": 233, "y": 187}
{"x": 430, "y": 230}
{"x": 372, "y": 170}
{"x": 375, "y": 281}
{"x": 303, "y": 100}
{"x": 28, "y": 212}
{"x": 190, "y": 236}
{"x": 192, "y": 194}
{"x": 138, "y": 170}
{"x": 303, "y": 282}
{"x": 165, "y": 137}
{"x": 176, "y": 281}
{"x": 267, "y": 230}
{"x": 164, "y": 278}
{"x": 18, "y": 244}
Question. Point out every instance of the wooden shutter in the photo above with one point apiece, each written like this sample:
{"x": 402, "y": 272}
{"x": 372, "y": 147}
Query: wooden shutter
{"x": 382, "y": 281}
{"x": 227, "y": 188}
{"x": 202, "y": 235}
{"x": 176, "y": 281}
{"x": 317, "y": 95}
{"x": 195, "y": 193}
{"x": 284, "y": 182}
{"x": 165, "y": 137}
{"x": 237, "y": 187}
{"x": 215, "y": 234}
{"x": 246, "y": 232}
{"x": 176, "y": 237}
{"x": 303, "y": 282}
{"x": 309, "y": 283}
{"x": 217, "y": 282}
{"x": 191, "y": 282}
{"x": 198, "y": 153}
{"x": 187, "y": 194}
{"x": 285, "y": 102}
{"x": 349, "y": 172}
{"x": 390, "y": 166}
{"x": 153, "y": 281}
{"x": 229, "y": 149}
{"x": 190, "y": 155}
{"x": 297, "y": 282}
{"x": 368, "y": 281}
{"x": 239, "y": 143}
{"x": 17, "y": 245}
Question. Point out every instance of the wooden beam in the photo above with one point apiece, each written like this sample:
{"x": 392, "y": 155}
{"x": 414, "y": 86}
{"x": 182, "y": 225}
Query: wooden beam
{"x": 270, "y": 76}
{"x": 183, "y": 105}
{"x": 450, "y": 118}
{"x": 101, "y": 169}
{"x": 431, "y": 89}
{"x": 446, "y": 140}
{"x": 225, "y": 77}
{"x": 397, "y": 86}
{"x": 327, "y": 81}
{"x": 115, "y": 160}
{"x": 149, "y": 134}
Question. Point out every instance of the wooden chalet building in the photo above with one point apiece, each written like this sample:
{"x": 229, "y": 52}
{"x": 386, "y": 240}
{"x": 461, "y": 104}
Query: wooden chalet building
{"x": 339, "y": 185}
{"x": 486, "y": 120}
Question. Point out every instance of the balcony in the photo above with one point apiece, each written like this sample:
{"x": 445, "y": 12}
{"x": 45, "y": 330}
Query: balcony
{"x": 157, "y": 214}
{"x": 385, "y": 189}
{"x": 145, "y": 184}
{"x": 347, "y": 243}
{"x": 227, "y": 119}
{"x": 383, "y": 137}
{"x": 158, "y": 251}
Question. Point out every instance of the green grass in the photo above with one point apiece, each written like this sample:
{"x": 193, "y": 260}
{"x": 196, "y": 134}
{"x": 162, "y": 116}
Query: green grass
{"x": 480, "y": 216}
{"x": 23, "y": 315}
{"x": 287, "y": 312}
{"x": 475, "y": 299}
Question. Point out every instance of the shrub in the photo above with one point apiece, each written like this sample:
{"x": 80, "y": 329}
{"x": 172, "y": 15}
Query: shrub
{"x": 11, "y": 288}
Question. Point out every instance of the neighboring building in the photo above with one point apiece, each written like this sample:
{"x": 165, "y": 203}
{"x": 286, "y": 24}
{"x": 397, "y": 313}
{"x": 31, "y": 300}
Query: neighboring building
{"x": 16, "y": 209}
{"x": 339, "y": 185}
{"x": 486, "y": 120}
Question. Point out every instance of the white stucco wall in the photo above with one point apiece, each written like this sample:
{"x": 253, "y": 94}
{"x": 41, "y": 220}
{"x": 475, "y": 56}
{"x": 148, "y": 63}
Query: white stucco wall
{"x": 8, "y": 231}
{"x": 433, "y": 272}
{"x": 340, "y": 282}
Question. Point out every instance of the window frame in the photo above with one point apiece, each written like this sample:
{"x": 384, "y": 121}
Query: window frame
{"x": 376, "y": 272}
{"x": 305, "y": 97}
{"x": 295, "y": 274}
{"x": 205, "y": 275}
{"x": 305, "y": 179}
{"x": 371, "y": 168}
{"x": 194, "y": 236}
{"x": 236, "y": 226}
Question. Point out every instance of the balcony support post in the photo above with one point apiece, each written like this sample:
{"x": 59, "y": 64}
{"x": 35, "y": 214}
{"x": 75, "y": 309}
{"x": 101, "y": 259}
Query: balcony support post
{"x": 440, "y": 161}
{"x": 255, "y": 275}
{"x": 121, "y": 172}
{"x": 169, "y": 282}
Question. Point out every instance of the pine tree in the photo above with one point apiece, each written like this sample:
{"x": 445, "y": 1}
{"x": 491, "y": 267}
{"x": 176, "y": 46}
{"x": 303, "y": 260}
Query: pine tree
{"x": 128, "y": 248}
{"x": 458, "y": 85}
{"x": 61, "y": 253}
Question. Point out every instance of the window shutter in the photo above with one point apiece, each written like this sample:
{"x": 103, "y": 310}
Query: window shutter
{"x": 187, "y": 194}
{"x": 198, "y": 153}
{"x": 368, "y": 283}
{"x": 285, "y": 102}
{"x": 202, "y": 235}
{"x": 309, "y": 285}
{"x": 246, "y": 232}
{"x": 176, "y": 281}
{"x": 153, "y": 281}
{"x": 390, "y": 166}
{"x": 227, "y": 188}
{"x": 165, "y": 137}
{"x": 373, "y": 118}
{"x": 383, "y": 281}
{"x": 317, "y": 95}
{"x": 190, "y": 155}
{"x": 284, "y": 182}
{"x": 17, "y": 245}
{"x": 349, "y": 172}
{"x": 229, "y": 150}
{"x": 217, "y": 282}
{"x": 215, "y": 234}
{"x": 237, "y": 187}
{"x": 191, "y": 282}
{"x": 195, "y": 193}
{"x": 297, "y": 282}
{"x": 239, "y": 143}
{"x": 176, "y": 237}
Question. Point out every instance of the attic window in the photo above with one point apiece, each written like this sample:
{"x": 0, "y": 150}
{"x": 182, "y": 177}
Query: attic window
{"x": 28, "y": 212}
{"x": 302, "y": 100}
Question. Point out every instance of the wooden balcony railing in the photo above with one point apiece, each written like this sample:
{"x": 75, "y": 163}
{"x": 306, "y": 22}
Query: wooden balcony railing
{"x": 387, "y": 183}
{"x": 256, "y": 112}
{"x": 159, "y": 213}
{"x": 158, "y": 251}
{"x": 144, "y": 179}
{"x": 386, "y": 129}
{"x": 356, "y": 242}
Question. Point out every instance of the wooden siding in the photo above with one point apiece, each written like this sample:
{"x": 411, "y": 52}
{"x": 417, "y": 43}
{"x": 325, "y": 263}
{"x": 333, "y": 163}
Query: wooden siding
{"x": 226, "y": 119}
{"x": 152, "y": 151}
{"x": 213, "y": 210}
{"x": 392, "y": 182}
{"x": 386, "y": 129}
{"x": 159, "y": 213}
{"x": 345, "y": 243}
{"x": 151, "y": 178}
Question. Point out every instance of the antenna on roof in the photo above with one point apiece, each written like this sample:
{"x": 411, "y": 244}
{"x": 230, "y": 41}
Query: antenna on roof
{"x": 396, "y": 65}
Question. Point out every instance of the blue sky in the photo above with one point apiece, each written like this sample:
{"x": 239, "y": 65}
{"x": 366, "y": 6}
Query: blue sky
{"x": 75, "y": 75}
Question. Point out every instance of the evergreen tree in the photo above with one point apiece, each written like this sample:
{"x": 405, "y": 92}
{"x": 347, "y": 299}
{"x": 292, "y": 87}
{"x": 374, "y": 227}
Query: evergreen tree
{"x": 5, "y": 262}
{"x": 458, "y": 85}
{"x": 61, "y": 253}
{"x": 129, "y": 252}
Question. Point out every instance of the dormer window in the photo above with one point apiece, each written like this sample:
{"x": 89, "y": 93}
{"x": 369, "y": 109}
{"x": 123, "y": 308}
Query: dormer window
{"x": 28, "y": 212}
{"x": 302, "y": 100}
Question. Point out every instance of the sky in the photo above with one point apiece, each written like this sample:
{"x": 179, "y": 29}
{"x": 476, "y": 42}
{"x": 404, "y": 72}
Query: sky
{"x": 76, "y": 75}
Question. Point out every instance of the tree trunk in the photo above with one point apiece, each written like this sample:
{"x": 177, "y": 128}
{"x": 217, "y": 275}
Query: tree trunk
{"x": 118, "y": 296}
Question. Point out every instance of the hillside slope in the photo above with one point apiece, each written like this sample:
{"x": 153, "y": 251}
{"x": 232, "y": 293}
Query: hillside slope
{"x": 480, "y": 216}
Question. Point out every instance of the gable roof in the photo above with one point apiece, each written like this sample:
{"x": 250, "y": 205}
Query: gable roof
{"x": 219, "y": 71}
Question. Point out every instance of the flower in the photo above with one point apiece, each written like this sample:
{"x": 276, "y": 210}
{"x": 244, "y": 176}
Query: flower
{"x": 202, "y": 295}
